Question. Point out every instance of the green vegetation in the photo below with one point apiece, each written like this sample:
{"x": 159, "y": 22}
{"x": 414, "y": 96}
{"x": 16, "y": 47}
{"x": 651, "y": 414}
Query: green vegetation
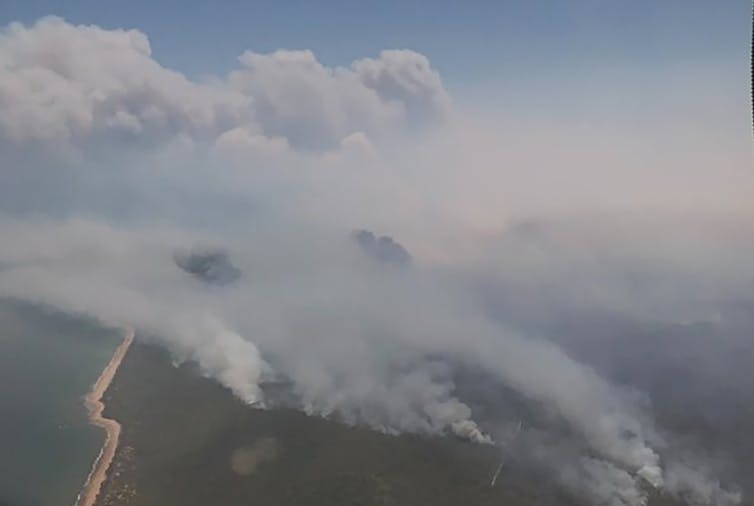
{"x": 183, "y": 434}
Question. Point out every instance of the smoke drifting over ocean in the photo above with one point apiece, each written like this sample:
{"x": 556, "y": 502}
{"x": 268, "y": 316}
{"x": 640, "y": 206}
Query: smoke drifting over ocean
{"x": 523, "y": 264}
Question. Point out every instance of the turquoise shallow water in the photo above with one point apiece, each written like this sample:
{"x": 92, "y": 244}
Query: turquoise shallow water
{"x": 48, "y": 361}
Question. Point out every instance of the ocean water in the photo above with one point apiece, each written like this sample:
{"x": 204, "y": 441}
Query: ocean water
{"x": 48, "y": 361}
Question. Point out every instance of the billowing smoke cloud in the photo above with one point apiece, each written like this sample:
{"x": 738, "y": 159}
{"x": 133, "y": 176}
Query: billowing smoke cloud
{"x": 64, "y": 83}
{"x": 604, "y": 482}
{"x": 314, "y": 107}
{"x": 283, "y": 158}
{"x": 68, "y": 84}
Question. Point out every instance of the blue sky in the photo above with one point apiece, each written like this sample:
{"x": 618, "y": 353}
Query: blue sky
{"x": 473, "y": 44}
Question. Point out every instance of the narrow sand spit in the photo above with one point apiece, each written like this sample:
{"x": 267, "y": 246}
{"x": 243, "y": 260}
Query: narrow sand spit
{"x": 94, "y": 405}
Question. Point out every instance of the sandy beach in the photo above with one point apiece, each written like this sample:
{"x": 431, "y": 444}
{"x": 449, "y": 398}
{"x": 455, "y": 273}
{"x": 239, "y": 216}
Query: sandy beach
{"x": 94, "y": 406}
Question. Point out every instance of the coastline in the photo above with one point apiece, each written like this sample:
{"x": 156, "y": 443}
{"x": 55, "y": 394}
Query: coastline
{"x": 315, "y": 460}
{"x": 94, "y": 405}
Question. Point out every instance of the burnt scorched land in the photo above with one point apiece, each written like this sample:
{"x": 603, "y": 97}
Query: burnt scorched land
{"x": 187, "y": 441}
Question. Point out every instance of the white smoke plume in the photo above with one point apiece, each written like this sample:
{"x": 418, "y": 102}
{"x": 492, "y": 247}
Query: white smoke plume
{"x": 280, "y": 161}
{"x": 604, "y": 482}
{"x": 691, "y": 483}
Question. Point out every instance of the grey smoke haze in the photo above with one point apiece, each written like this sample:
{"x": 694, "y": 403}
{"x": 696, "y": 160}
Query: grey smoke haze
{"x": 528, "y": 265}
{"x": 211, "y": 265}
{"x": 383, "y": 248}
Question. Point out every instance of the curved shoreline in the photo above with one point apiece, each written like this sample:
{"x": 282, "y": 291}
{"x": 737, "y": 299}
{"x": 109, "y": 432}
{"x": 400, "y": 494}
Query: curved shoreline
{"x": 95, "y": 406}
